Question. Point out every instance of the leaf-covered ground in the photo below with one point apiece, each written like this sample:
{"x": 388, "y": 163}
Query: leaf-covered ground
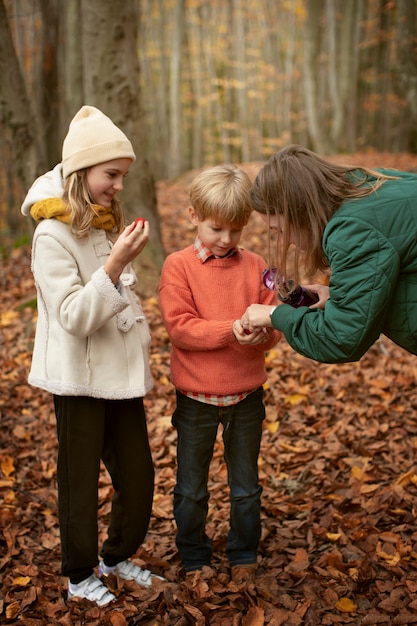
{"x": 337, "y": 466}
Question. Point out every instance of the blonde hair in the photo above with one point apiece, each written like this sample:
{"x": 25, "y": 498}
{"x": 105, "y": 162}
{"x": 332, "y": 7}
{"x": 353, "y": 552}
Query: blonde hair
{"x": 305, "y": 190}
{"x": 80, "y": 205}
{"x": 222, "y": 193}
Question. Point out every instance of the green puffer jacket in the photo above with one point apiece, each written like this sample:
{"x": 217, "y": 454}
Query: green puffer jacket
{"x": 371, "y": 248}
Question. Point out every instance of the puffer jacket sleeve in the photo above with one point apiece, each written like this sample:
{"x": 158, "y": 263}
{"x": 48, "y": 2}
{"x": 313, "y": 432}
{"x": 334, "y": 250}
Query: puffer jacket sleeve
{"x": 364, "y": 268}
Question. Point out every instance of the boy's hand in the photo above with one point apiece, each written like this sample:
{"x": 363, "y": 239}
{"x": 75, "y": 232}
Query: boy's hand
{"x": 255, "y": 338}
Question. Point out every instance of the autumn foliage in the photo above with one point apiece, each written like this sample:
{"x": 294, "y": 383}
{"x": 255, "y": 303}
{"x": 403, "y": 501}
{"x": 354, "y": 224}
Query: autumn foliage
{"x": 337, "y": 466}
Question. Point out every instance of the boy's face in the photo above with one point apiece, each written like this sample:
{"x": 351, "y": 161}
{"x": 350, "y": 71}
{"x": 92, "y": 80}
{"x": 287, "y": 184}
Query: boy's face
{"x": 219, "y": 237}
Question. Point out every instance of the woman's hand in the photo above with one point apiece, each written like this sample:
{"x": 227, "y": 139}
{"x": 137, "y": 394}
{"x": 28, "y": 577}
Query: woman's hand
{"x": 128, "y": 245}
{"x": 323, "y": 293}
{"x": 256, "y": 317}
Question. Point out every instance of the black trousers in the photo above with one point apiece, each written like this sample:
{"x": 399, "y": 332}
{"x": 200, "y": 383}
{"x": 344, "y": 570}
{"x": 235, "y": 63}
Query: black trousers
{"x": 90, "y": 429}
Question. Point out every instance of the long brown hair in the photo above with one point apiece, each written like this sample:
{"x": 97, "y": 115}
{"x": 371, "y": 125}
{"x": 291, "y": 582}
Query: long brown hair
{"x": 305, "y": 190}
{"x": 81, "y": 206}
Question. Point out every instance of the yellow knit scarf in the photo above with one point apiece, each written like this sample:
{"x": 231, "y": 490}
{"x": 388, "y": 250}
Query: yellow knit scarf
{"x": 54, "y": 208}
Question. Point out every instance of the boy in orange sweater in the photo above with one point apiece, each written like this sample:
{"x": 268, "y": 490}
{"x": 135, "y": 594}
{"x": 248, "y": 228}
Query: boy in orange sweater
{"x": 216, "y": 368}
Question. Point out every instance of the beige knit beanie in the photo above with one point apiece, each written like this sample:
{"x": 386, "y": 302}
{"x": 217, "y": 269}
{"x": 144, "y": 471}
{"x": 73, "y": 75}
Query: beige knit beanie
{"x": 92, "y": 138}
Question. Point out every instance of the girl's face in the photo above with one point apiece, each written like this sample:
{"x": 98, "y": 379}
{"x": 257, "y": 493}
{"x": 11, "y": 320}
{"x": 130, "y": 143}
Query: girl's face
{"x": 106, "y": 179}
{"x": 276, "y": 224}
{"x": 220, "y": 238}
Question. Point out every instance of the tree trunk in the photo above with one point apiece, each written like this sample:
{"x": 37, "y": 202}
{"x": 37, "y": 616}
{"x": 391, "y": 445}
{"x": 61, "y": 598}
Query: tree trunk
{"x": 215, "y": 119}
{"x": 111, "y": 82}
{"x": 407, "y": 69}
{"x": 71, "y": 59}
{"x": 196, "y": 81}
{"x": 240, "y": 81}
{"x": 352, "y": 96}
{"x": 174, "y": 165}
{"x": 48, "y": 97}
{"x": 311, "y": 76}
{"x": 22, "y": 150}
{"x": 155, "y": 75}
{"x": 341, "y": 32}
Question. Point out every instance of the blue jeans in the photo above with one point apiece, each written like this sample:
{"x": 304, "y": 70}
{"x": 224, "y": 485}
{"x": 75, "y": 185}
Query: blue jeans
{"x": 196, "y": 424}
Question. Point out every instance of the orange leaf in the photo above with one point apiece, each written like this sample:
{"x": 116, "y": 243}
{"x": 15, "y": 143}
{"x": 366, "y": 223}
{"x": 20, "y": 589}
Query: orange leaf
{"x": 272, "y": 427}
{"x": 357, "y": 472}
{"x": 8, "y": 318}
{"x": 390, "y": 559}
{"x": 117, "y": 619}
{"x": 406, "y": 479}
{"x": 254, "y": 617}
{"x": 346, "y": 605}
{"x": 12, "y": 610}
{"x": 21, "y": 581}
{"x": 295, "y": 398}
{"x": 7, "y": 466}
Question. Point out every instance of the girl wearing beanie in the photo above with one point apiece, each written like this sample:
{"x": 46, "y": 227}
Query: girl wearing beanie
{"x": 91, "y": 351}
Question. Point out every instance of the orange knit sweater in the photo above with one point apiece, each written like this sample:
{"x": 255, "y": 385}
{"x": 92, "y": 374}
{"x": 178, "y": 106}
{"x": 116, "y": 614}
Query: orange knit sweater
{"x": 199, "y": 302}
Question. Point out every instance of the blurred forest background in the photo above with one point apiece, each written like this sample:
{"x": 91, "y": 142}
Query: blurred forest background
{"x": 198, "y": 82}
{"x": 194, "y": 83}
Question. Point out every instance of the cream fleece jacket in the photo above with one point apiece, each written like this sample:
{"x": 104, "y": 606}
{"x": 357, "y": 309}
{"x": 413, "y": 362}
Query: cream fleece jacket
{"x": 91, "y": 338}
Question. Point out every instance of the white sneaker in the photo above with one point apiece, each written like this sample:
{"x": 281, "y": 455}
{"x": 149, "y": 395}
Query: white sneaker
{"x": 129, "y": 571}
{"x": 91, "y": 589}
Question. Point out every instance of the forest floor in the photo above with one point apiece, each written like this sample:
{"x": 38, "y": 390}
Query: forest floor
{"x": 337, "y": 467}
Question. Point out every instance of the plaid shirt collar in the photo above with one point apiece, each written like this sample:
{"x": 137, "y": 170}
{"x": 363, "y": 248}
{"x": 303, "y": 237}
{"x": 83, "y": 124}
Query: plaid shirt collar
{"x": 204, "y": 253}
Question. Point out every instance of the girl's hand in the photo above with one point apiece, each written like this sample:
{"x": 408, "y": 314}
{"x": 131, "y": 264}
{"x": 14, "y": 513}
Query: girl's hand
{"x": 129, "y": 244}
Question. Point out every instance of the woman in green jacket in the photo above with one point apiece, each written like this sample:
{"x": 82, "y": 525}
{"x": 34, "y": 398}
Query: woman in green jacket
{"x": 361, "y": 226}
